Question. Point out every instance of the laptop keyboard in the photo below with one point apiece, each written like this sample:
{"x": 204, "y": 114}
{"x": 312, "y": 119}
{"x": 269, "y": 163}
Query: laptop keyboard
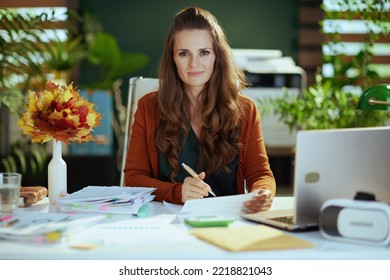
{"x": 284, "y": 219}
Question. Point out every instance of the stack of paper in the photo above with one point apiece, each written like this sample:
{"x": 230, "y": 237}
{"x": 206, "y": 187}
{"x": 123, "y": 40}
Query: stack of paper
{"x": 114, "y": 199}
{"x": 44, "y": 227}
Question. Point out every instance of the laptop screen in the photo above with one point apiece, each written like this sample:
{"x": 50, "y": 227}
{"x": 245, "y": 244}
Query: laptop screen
{"x": 338, "y": 163}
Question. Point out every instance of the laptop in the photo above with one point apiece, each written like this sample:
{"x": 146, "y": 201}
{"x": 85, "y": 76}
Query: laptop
{"x": 336, "y": 163}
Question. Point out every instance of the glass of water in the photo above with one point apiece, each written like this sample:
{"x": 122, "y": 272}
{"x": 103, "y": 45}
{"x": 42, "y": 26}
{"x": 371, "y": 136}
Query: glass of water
{"x": 9, "y": 191}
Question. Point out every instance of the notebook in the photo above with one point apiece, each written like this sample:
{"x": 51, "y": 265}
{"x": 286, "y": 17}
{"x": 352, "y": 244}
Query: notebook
{"x": 335, "y": 163}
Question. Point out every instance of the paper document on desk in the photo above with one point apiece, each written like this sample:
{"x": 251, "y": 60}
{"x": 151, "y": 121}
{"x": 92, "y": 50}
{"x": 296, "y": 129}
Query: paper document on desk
{"x": 220, "y": 204}
{"x": 113, "y": 199}
{"x": 250, "y": 238}
{"x": 157, "y": 230}
{"x": 44, "y": 227}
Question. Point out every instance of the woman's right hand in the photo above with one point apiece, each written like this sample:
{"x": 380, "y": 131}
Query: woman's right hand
{"x": 194, "y": 188}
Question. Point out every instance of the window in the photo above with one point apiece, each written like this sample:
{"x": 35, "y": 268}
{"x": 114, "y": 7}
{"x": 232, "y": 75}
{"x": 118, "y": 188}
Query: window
{"x": 352, "y": 33}
{"x": 313, "y": 44}
{"x": 10, "y": 56}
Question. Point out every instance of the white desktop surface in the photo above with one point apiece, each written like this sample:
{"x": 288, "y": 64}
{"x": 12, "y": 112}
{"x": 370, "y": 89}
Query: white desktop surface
{"x": 183, "y": 246}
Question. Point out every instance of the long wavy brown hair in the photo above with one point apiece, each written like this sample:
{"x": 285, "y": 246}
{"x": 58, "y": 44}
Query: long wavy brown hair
{"x": 221, "y": 111}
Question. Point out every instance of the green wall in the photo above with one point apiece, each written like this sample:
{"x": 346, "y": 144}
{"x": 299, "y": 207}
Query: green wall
{"x": 141, "y": 26}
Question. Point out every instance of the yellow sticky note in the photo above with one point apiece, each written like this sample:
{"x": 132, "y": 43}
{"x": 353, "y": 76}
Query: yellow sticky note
{"x": 53, "y": 236}
{"x": 85, "y": 246}
{"x": 250, "y": 238}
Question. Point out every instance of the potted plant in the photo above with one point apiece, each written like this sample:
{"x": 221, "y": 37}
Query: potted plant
{"x": 322, "y": 106}
{"x": 104, "y": 54}
{"x": 61, "y": 57}
{"x": 114, "y": 64}
{"x": 26, "y": 60}
{"x": 20, "y": 43}
{"x": 331, "y": 101}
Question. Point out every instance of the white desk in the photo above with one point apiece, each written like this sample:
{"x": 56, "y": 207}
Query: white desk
{"x": 179, "y": 245}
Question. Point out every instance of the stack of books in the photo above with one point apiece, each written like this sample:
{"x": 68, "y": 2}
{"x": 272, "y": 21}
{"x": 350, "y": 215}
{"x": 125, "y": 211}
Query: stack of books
{"x": 112, "y": 199}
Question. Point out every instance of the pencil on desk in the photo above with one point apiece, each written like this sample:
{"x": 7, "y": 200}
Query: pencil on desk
{"x": 195, "y": 175}
{"x": 10, "y": 223}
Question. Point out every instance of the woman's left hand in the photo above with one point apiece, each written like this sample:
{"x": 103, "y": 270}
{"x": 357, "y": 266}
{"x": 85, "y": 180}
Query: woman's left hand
{"x": 260, "y": 202}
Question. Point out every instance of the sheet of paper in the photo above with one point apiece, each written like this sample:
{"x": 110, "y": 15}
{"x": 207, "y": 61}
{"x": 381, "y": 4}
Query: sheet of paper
{"x": 250, "y": 238}
{"x": 220, "y": 204}
{"x": 42, "y": 227}
{"x": 137, "y": 232}
{"x": 174, "y": 208}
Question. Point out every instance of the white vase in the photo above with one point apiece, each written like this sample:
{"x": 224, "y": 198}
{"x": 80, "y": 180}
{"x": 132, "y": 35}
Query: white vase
{"x": 57, "y": 174}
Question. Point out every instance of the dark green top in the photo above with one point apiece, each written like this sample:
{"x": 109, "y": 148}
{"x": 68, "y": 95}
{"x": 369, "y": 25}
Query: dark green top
{"x": 222, "y": 183}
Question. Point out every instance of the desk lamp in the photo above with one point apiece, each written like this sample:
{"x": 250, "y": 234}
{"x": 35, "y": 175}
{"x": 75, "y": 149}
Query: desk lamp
{"x": 375, "y": 98}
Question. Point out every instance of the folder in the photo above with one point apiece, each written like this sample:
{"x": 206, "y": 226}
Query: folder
{"x": 250, "y": 238}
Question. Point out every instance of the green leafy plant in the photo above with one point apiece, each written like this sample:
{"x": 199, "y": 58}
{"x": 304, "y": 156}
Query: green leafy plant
{"x": 331, "y": 101}
{"x": 19, "y": 45}
{"x": 113, "y": 63}
{"x": 20, "y": 70}
{"x": 105, "y": 53}
{"x": 25, "y": 55}
{"x": 60, "y": 55}
{"x": 64, "y": 55}
{"x": 27, "y": 158}
{"x": 323, "y": 106}
{"x": 12, "y": 99}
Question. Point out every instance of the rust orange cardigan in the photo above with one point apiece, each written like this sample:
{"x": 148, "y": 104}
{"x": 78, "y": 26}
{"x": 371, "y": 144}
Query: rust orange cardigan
{"x": 141, "y": 168}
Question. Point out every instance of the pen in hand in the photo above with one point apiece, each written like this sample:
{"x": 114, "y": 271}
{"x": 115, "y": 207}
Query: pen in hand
{"x": 195, "y": 175}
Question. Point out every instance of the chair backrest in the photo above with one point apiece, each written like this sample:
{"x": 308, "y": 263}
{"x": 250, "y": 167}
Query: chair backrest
{"x": 138, "y": 87}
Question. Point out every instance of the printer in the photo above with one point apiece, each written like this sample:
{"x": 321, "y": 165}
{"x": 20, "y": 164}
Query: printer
{"x": 270, "y": 74}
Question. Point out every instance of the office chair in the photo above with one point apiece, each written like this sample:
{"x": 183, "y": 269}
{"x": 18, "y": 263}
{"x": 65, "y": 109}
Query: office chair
{"x": 138, "y": 87}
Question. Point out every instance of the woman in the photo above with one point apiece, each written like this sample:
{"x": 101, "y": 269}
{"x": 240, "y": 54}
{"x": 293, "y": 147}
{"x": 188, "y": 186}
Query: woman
{"x": 198, "y": 117}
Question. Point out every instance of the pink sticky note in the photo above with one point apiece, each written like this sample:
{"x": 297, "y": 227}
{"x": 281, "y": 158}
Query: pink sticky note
{"x": 104, "y": 208}
{"x": 6, "y": 218}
